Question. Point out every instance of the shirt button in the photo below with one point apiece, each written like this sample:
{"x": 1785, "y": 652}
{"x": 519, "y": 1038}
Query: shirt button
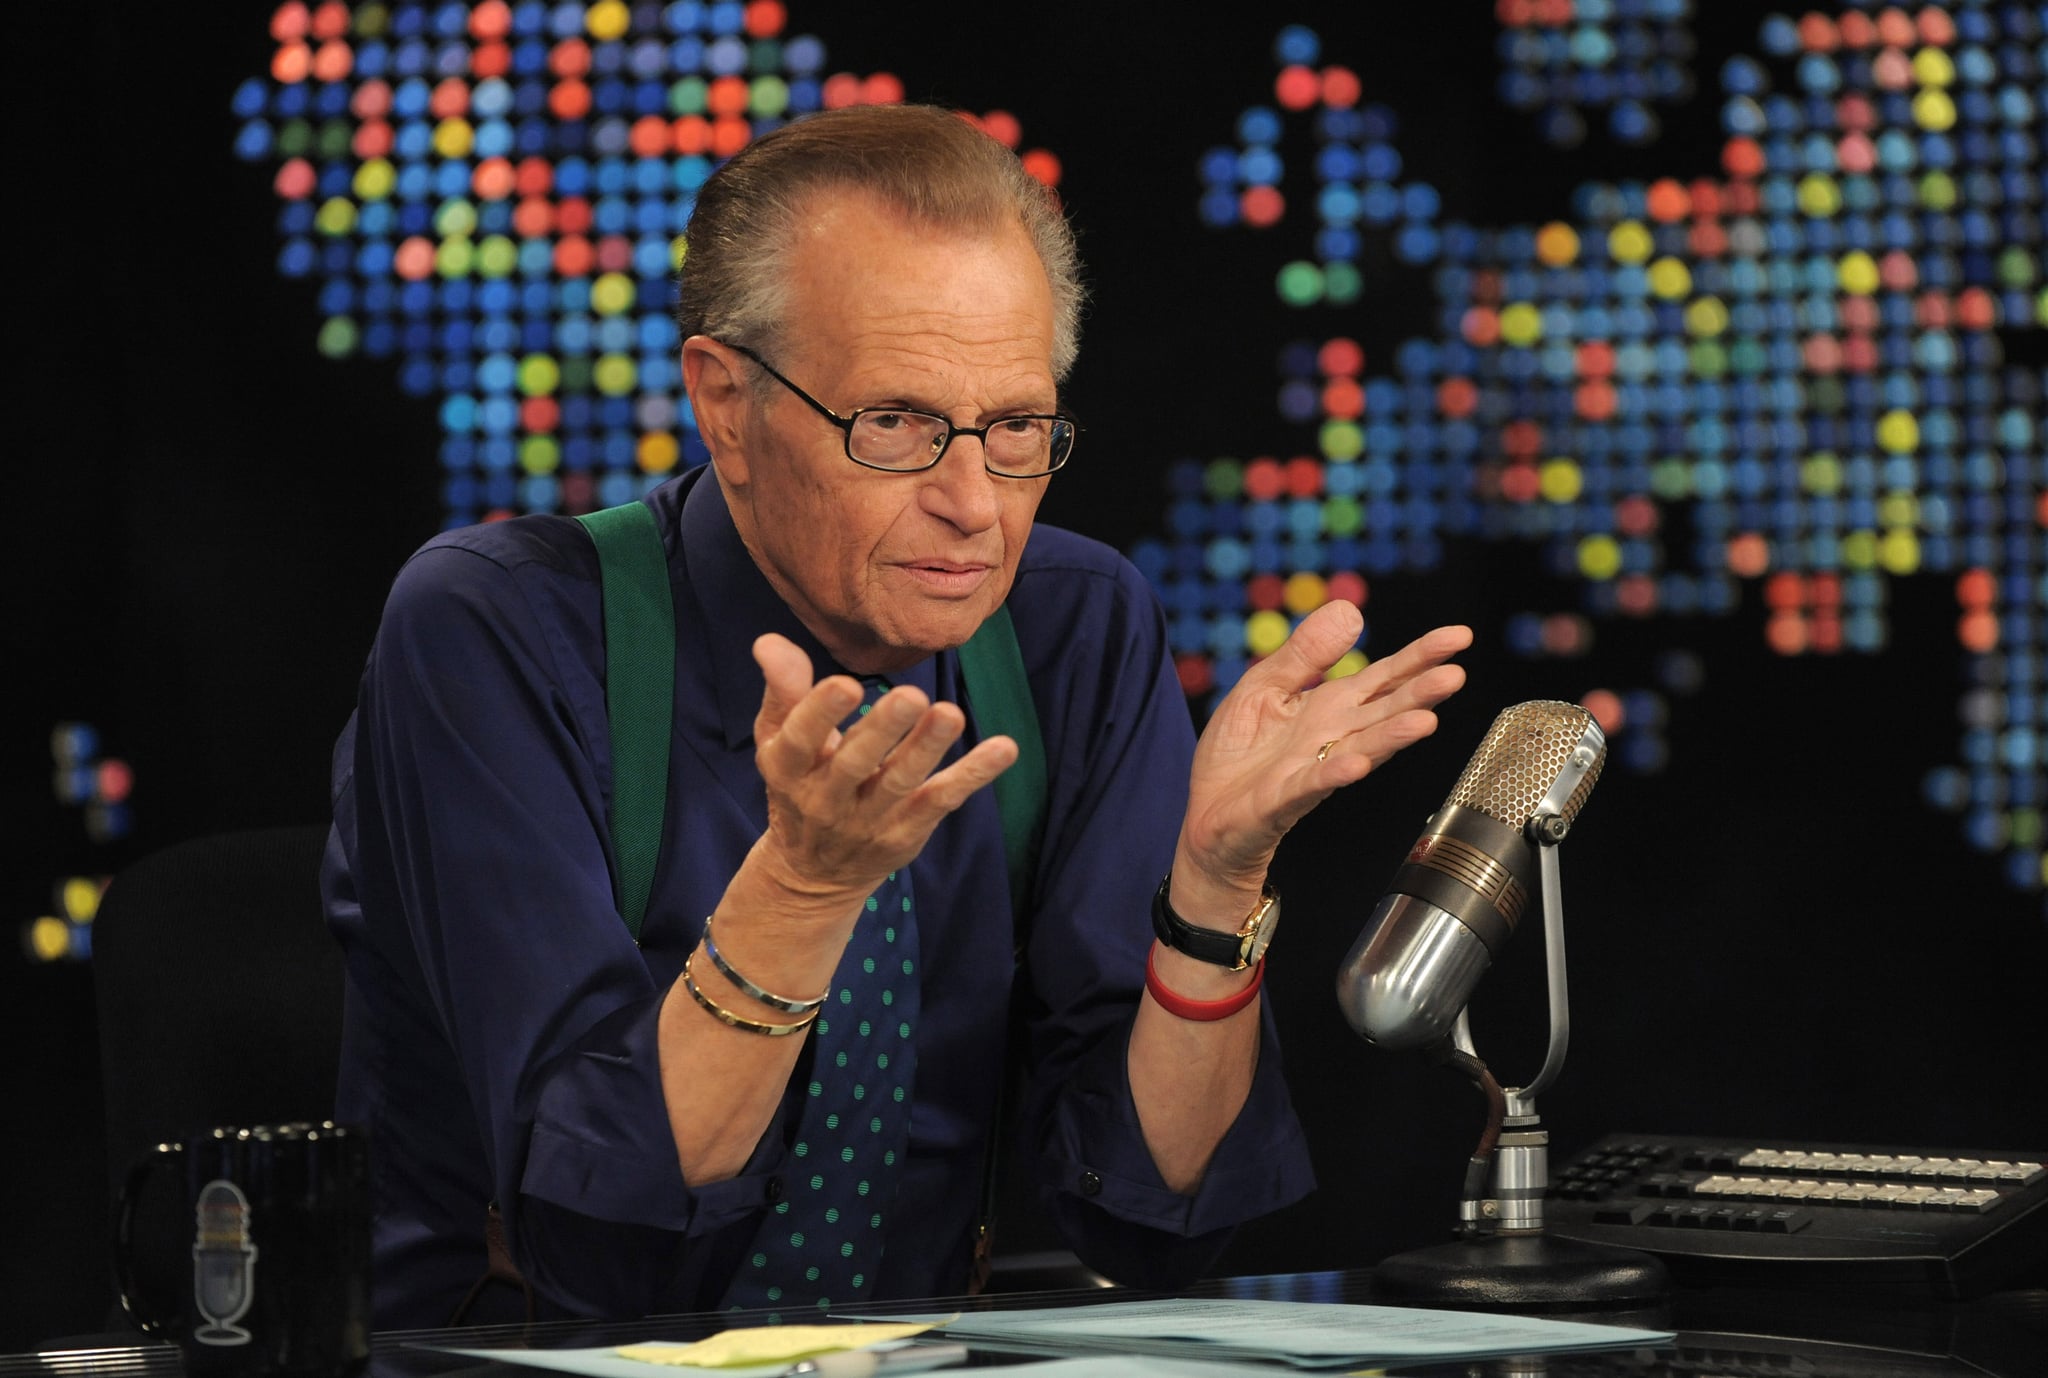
{"x": 773, "y": 1191}
{"x": 1091, "y": 1185}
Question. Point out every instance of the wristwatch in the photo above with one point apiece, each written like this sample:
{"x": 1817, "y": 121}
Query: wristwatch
{"x": 1233, "y": 950}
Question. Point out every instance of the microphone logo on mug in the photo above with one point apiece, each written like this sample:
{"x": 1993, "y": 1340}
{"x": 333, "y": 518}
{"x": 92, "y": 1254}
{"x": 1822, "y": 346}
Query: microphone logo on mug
{"x": 223, "y": 1263}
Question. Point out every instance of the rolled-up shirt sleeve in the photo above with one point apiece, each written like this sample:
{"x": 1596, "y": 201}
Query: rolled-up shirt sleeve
{"x": 479, "y": 787}
{"x": 1119, "y": 746}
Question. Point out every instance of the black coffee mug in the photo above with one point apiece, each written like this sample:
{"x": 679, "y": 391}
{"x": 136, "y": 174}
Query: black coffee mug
{"x": 278, "y": 1219}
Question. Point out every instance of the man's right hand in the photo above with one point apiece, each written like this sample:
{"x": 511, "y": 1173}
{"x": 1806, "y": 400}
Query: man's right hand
{"x": 847, "y": 808}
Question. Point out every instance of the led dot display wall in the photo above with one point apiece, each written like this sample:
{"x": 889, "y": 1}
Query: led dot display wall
{"x": 1793, "y": 379}
{"x": 491, "y": 196}
{"x": 1818, "y": 371}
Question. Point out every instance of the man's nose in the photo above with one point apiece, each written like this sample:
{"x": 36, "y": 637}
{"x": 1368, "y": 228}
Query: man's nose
{"x": 960, "y": 488}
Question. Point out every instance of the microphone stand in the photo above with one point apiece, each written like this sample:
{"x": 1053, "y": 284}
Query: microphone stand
{"x": 1503, "y": 1259}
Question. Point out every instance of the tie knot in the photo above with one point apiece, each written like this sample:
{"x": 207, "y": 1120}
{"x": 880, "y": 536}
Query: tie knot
{"x": 872, "y": 689}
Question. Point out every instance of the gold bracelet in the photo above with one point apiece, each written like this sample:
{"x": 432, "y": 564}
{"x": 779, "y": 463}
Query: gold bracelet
{"x": 780, "y": 1002}
{"x": 726, "y": 1016}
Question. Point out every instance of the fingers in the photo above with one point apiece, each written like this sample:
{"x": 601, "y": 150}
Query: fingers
{"x": 786, "y": 676}
{"x": 1388, "y": 707}
{"x": 1418, "y": 658}
{"x": 904, "y": 732}
{"x": 885, "y": 755}
{"x": 1312, "y": 648}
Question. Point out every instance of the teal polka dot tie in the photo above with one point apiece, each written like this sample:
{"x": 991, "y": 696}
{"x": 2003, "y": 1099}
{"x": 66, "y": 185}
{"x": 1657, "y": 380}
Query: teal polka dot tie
{"x": 819, "y": 1246}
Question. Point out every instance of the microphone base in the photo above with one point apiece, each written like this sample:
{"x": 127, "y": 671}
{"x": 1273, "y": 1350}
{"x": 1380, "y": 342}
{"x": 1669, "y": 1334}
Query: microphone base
{"x": 1527, "y": 1272}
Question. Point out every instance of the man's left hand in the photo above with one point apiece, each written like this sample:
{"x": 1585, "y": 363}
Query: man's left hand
{"x": 1285, "y": 738}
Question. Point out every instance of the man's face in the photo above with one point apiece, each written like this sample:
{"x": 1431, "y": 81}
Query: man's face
{"x": 886, "y": 568}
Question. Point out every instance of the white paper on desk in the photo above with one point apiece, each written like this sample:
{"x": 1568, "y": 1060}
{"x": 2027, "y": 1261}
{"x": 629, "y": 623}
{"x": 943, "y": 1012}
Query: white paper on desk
{"x": 1307, "y": 1334}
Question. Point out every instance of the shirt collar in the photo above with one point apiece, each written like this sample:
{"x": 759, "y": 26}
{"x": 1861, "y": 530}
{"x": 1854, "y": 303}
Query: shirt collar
{"x": 739, "y": 605}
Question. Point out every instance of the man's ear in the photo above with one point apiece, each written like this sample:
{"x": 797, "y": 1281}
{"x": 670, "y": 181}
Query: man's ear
{"x": 720, "y": 398}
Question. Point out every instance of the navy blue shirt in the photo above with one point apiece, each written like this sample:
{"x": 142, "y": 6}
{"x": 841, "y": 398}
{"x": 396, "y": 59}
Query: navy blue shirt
{"x": 500, "y": 1040}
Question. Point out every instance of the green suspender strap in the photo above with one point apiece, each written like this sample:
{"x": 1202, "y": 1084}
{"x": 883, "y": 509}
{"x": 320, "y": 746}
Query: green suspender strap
{"x": 639, "y": 691}
{"x": 993, "y": 666}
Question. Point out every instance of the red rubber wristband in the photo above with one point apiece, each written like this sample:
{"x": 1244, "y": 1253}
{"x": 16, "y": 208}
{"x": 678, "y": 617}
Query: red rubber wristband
{"x": 1202, "y": 1011}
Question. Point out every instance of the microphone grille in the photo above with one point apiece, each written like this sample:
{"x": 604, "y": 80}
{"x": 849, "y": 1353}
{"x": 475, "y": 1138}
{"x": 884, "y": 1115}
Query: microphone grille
{"x": 1524, "y": 752}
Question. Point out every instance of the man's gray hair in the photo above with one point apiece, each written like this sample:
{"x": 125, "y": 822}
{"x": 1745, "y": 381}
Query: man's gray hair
{"x": 928, "y": 164}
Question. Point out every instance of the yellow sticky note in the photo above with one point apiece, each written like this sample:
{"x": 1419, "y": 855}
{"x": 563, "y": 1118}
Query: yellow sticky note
{"x": 769, "y": 1344}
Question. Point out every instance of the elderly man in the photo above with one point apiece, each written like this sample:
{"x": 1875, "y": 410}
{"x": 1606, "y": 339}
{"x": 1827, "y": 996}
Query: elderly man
{"x": 782, "y": 1094}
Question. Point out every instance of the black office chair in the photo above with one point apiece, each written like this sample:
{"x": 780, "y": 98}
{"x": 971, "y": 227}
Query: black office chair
{"x": 219, "y": 999}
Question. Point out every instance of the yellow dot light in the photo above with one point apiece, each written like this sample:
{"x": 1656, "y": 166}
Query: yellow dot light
{"x": 1521, "y": 323}
{"x": 454, "y": 258}
{"x": 336, "y": 216}
{"x": 453, "y": 138}
{"x": 607, "y": 20}
{"x": 1559, "y": 480}
{"x": 611, "y": 294}
{"x": 1857, "y": 272}
{"x": 1304, "y": 593}
{"x": 1670, "y": 278}
{"x": 1818, "y": 195}
{"x": 1629, "y": 242}
{"x": 1898, "y": 431}
{"x": 1599, "y": 557}
{"x": 80, "y": 899}
{"x": 49, "y": 939}
{"x": 1821, "y": 475}
{"x": 374, "y": 180}
{"x": 1265, "y": 633}
{"x": 1348, "y": 664}
{"x": 1933, "y": 67}
{"x": 1899, "y": 551}
{"x": 615, "y": 375}
{"x": 1706, "y": 317}
{"x": 496, "y": 257}
{"x": 657, "y": 453}
{"x": 1934, "y": 111}
{"x": 539, "y": 375}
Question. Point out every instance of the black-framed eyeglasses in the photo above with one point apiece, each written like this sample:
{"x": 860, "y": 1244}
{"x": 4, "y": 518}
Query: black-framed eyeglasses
{"x": 900, "y": 440}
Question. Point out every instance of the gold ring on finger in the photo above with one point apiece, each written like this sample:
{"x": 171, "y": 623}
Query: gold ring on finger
{"x": 1324, "y": 754}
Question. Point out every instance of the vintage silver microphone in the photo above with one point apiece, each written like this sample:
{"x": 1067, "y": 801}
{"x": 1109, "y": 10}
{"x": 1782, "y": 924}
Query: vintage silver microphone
{"x": 1462, "y": 887}
{"x": 1456, "y": 899}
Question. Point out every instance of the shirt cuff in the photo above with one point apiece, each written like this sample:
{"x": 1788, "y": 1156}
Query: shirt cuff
{"x": 601, "y": 1145}
{"x": 1094, "y": 1149}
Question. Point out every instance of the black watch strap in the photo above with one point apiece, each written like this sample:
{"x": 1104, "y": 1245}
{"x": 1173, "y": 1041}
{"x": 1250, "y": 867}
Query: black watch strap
{"x": 1203, "y": 944}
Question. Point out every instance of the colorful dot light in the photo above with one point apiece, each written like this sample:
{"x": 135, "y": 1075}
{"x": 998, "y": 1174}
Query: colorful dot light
{"x": 65, "y": 935}
{"x": 492, "y": 195}
{"x": 1793, "y": 376}
{"x": 1562, "y": 58}
{"x": 98, "y": 786}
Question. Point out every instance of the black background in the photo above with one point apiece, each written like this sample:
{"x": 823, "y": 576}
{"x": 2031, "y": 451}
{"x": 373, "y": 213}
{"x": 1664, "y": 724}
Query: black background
{"x": 1775, "y": 937}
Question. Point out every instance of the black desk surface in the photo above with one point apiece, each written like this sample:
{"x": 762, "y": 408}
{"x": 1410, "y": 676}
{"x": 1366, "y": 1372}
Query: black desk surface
{"x": 1722, "y": 1333}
